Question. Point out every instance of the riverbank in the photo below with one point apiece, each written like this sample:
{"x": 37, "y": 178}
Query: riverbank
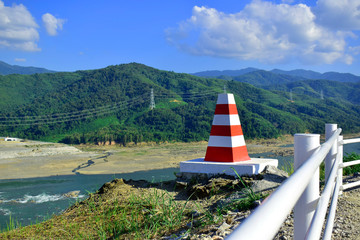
{"x": 131, "y": 209}
{"x": 136, "y": 156}
{"x": 200, "y": 208}
{"x": 32, "y": 159}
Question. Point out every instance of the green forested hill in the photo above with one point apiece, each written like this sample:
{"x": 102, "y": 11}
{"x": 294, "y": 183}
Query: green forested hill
{"x": 17, "y": 90}
{"x": 340, "y": 91}
{"x": 262, "y": 78}
{"x": 251, "y": 75}
{"x": 112, "y": 104}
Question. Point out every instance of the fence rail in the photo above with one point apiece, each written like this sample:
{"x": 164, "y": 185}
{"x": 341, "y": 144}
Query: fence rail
{"x": 301, "y": 191}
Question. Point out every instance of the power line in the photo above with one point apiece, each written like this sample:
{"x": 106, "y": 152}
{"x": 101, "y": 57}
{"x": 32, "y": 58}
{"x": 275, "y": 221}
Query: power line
{"x": 88, "y": 113}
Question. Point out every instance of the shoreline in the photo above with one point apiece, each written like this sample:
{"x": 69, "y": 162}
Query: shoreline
{"x": 31, "y": 159}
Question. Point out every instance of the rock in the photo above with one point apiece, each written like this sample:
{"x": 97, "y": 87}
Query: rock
{"x": 72, "y": 194}
{"x": 229, "y": 219}
{"x": 272, "y": 178}
{"x": 257, "y": 203}
{"x": 199, "y": 191}
{"x": 195, "y": 214}
{"x": 110, "y": 185}
{"x": 223, "y": 228}
{"x": 207, "y": 187}
{"x": 217, "y": 238}
{"x": 181, "y": 184}
{"x": 271, "y": 170}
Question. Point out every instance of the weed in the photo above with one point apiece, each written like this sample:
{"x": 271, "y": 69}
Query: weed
{"x": 288, "y": 167}
{"x": 248, "y": 190}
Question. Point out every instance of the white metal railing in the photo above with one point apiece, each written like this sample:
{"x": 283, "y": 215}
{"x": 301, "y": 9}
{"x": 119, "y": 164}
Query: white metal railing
{"x": 301, "y": 191}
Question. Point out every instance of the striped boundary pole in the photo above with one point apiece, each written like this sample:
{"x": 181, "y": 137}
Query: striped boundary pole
{"x": 226, "y": 142}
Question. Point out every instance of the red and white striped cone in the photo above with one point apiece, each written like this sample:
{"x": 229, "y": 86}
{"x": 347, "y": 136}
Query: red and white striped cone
{"x": 226, "y": 142}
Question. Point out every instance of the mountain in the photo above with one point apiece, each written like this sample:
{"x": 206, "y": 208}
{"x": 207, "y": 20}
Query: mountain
{"x": 293, "y": 75}
{"x": 342, "y": 91}
{"x": 264, "y": 78}
{"x": 6, "y": 69}
{"x": 308, "y": 74}
{"x": 334, "y": 76}
{"x": 231, "y": 73}
{"x": 112, "y": 105}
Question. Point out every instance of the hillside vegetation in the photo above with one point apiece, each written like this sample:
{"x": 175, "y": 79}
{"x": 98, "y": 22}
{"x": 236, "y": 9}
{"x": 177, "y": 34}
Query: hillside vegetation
{"x": 112, "y": 104}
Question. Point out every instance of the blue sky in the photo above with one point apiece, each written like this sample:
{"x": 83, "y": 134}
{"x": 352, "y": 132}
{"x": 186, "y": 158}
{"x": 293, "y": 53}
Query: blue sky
{"x": 182, "y": 36}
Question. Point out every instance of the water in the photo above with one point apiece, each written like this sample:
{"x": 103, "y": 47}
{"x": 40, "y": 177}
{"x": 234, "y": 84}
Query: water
{"x": 32, "y": 200}
{"x": 284, "y": 160}
{"x": 352, "y": 147}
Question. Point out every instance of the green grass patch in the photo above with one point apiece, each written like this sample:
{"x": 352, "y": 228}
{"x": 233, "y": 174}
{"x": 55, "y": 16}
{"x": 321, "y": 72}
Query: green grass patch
{"x": 171, "y": 103}
{"x": 288, "y": 167}
{"x": 146, "y": 216}
{"x": 352, "y": 169}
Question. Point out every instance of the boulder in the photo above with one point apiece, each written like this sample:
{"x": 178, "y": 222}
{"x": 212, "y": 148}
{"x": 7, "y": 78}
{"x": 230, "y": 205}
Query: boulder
{"x": 72, "y": 194}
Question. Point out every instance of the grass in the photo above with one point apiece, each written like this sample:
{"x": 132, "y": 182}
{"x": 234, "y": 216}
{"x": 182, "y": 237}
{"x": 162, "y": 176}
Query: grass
{"x": 132, "y": 213}
{"x": 352, "y": 169}
{"x": 288, "y": 167}
{"x": 248, "y": 202}
{"x": 140, "y": 216}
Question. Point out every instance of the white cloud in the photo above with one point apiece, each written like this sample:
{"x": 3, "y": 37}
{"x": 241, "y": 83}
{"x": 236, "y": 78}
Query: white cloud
{"x": 20, "y": 60}
{"x": 52, "y": 24}
{"x": 338, "y": 14}
{"x": 269, "y": 32}
{"x": 18, "y": 29}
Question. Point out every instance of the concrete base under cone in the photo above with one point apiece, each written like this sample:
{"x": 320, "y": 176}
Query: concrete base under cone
{"x": 251, "y": 167}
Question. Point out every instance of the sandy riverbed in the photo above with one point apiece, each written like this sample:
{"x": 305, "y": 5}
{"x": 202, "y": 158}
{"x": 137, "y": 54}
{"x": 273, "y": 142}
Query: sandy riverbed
{"x": 39, "y": 159}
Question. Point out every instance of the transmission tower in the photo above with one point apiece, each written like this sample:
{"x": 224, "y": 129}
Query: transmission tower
{"x": 152, "y": 101}
{"x": 291, "y": 95}
{"x": 321, "y": 94}
{"x": 224, "y": 88}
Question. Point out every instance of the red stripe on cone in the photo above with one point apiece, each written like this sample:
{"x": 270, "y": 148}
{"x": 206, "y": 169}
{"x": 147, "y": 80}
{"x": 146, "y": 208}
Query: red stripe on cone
{"x": 224, "y": 154}
{"x": 232, "y": 130}
{"x": 226, "y": 109}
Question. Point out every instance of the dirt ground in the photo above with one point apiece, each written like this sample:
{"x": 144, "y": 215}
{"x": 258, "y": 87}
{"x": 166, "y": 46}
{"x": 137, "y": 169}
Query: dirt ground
{"x": 39, "y": 159}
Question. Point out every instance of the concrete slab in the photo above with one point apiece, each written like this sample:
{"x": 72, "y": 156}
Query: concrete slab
{"x": 251, "y": 167}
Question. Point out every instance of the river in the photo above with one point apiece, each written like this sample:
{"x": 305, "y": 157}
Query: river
{"x": 32, "y": 200}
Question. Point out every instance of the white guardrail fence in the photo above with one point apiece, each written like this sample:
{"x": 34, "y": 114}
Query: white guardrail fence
{"x": 300, "y": 192}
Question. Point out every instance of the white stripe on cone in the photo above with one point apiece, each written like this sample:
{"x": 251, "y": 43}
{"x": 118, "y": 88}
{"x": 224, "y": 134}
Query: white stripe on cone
{"x": 225, "y": 98}
{"x": 221, "y": 141}
{"x": 226, "y": 120}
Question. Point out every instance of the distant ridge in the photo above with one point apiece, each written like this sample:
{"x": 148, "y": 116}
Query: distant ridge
{"x": 231, "y": 73}
{"x": 6, "y": 69}
{"x": 334, "y": 76}
{"x": 301, "y": 74}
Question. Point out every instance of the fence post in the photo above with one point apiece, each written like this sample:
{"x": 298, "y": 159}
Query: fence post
{"x": 304, "y": 147}
{"x": 340, "y": 155}
{"x": 330, "y": 158}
